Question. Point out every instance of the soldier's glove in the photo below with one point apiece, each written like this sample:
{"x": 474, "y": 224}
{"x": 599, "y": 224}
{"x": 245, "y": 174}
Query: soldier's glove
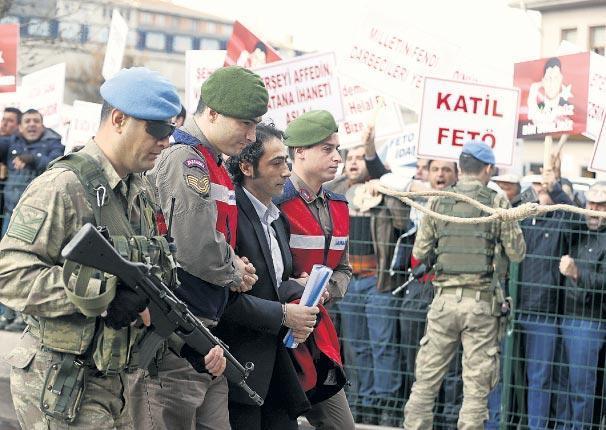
{"x": 125, "y": 308}
{"x": 194, "y": 358}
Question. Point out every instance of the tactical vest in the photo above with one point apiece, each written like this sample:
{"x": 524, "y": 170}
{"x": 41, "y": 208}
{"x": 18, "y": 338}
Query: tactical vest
{"x": 308, "y": 243}
{"x": 110, "y": 351}
{"x": 465, "y": 248}
{"x": 222, "y": 192}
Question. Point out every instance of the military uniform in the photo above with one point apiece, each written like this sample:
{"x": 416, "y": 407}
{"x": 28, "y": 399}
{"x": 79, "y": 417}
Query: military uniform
{"x": 68, "y": 369}
{"x": 321, "y": 235}
{"x": 466, "y": 307}
{"x": 204, "y": 230}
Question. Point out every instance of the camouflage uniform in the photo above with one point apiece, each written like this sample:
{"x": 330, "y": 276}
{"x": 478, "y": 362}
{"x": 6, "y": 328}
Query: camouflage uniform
{"x": 463, "y": 310}
{"x": 50, "y": 212}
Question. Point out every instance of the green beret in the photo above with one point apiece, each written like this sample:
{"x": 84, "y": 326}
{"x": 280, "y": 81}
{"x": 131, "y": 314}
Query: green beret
{"x": 310, "y": 128}
{"x": 235, "y": 91}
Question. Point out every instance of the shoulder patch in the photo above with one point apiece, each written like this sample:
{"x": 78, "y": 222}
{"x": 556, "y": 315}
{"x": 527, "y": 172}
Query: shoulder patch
{"x": 26, "y": 224}
{"x": 196, "y": 163}
{"x": 201, "y": 185}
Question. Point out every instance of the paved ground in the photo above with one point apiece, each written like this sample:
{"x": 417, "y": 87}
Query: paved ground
{"x": 8, "y": 420}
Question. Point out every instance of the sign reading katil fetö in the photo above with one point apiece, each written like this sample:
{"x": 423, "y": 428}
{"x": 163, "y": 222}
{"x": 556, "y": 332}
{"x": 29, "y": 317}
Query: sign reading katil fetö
{"x": 454, "y": 113}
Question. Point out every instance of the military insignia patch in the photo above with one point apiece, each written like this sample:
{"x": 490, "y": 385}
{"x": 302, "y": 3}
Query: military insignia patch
{"x": 196, "y": 163}
{"x": 201, "y": 185}
{"x": 26, "y": 224}
{"x": 306, "y": 195}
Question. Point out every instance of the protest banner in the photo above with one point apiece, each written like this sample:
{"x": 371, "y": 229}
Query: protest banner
{"x": 83, "y": 124}
{"x": 554, "y": 95}
{"x": 199, "y": 65}
{"x": 302, "y": 84}
{"x": 456, "y": 112}
{"x": 362, "y": 106}
{"x": 245, "y": 49}
{"x": 9, "y": 48}
{"x": 400, "y": 151}
{"x": 43, "y": 90}
{"x": 116, "y": 43}
{"x": 596, "y": 98}
{"x": 598, "y": 159}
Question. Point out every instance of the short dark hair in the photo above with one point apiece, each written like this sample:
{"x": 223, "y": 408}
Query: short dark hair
{"x": 30, "y": 112}
{"x": 15, "y": 111}
{"x": 470, "y": 165}
{"x": 183, "y": 112}
{"x": 456, "y": 168}
{"x": 253, "y": 152}
{"x": 106, "y": 109}
{"x": 552, "y": 62}
{"x": 201, "y": 106}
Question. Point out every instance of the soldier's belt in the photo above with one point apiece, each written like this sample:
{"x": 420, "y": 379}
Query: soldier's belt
{"x": 485, "y": 296}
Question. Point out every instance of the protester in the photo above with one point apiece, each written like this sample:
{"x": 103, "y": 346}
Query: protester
{"x": 255, "y": 323}
{"x": 510, "y": 184}
{"x": 194, "y": 190}
{"x": 10, "y": 121}
{"x": 582, "y": 325}
{"x": 461, "y": 311}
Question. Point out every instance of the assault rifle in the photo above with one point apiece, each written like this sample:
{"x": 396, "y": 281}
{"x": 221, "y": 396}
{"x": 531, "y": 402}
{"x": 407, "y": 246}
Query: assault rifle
{"x": 168, "y": 313}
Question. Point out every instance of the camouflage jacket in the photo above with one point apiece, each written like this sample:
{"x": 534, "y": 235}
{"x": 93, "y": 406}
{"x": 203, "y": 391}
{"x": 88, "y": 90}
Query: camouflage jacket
{"x": 508, "y": 234}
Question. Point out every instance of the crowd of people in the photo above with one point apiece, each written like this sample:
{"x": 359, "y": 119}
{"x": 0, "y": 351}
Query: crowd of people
{"x": 418, "y": 303}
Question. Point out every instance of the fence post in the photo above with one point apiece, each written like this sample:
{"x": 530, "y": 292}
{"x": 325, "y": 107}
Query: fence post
{"x": 507, "y": 354}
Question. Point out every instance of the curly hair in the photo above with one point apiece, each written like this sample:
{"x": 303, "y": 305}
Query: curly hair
{"x": 252, "y": 152}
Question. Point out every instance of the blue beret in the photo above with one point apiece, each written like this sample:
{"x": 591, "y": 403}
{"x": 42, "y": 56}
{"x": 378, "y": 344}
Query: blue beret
{"x": 481, "y": 151}
{"x": 142, "y": 93}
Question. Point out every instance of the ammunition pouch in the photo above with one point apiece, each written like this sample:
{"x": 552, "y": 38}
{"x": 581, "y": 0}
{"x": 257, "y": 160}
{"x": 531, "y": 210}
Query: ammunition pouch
{"x": 70, "y": 334}
{"x": 63, "y": 388}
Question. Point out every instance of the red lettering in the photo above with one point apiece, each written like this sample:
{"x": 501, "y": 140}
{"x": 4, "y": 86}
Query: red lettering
{"x": 443, "y": 100}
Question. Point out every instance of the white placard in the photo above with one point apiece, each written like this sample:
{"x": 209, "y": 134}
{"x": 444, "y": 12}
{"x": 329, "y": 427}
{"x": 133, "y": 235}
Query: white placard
{"x": 598, "y": 159}
{"x": 11, "y": 100}
{"x": 400, "y": 151}
{"x": 301, "y": 84}
{"x": 199, "y": 65}
{"x": 116, "y": 43}
{"x": 596, "y": 97}
{"x": 43, "y": 90}
{"x": 83, "y": 125}
{"x": 363, "y": 106}
{"x": 456, "y": 112}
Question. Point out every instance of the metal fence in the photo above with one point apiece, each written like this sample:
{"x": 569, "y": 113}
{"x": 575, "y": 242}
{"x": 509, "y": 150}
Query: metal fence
{"x": 553, "y": 355}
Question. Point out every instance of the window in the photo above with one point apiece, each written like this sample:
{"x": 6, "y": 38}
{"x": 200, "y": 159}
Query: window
{"x": 182, "y": 43}
{"x": 209, "y": 44}
{"x": 98, "y": 33}
{"x": 569, "y": 34}
{"x": 211, "y": 27}
{"x": 156, "y": 41}
{"x": 597, "y": 39}
{"x": 161, "y": 20}
{"x": 69, "y": 30}
{"x": 38, "y": 27}
{"x": 9, "y": 20}
{"x": 146, "y": 18}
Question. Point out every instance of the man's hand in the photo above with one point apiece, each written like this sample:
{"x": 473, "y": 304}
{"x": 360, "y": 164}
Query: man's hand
{"x": 214, "y": 361}
{"x": 302, "y": 280}
{"x": 568, "y": 267}
{"x": 126, "y": 307}
{"x": 368, "y": 139}
{"x": 249, "y": 276}
{"x": 325, "y": 297}
{"x": 549, "y": 180}
{"x": 299, "y": 317}
{"x": 18, "y": 163}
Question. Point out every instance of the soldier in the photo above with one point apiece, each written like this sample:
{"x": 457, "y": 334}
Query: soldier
{"x": 319, "y": 226}
{"x": 68, "y": 369}
{"x": 468, "y": 300}
{"x": 190, "y": 177}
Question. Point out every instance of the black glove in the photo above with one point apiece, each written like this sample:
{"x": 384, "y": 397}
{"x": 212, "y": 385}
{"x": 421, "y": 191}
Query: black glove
{"x": 194, "y": 358}
{"x": 125, "y": 308}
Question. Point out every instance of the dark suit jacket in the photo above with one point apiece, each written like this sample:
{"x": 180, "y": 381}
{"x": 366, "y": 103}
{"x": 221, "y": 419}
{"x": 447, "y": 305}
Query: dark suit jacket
{"x": 251, "y": 324}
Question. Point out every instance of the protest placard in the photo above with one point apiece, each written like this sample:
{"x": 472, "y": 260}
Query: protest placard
{"x": 83, "y": 125}
{"x": 598, "y": 159}
{"x": 400, "y": 151}
{"x": 302, "y": 84}
{"x": 9, "y": 48}
{"x": 456, "y": 112}
{"x": 43, "y": 90}
{"x": 362, "y": 106}
{"x": 116, "y": 43}
{"x": 199, "y": 65}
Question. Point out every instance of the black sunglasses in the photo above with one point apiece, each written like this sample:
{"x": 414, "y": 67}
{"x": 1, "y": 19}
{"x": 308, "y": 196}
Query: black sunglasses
{"x": 159, "y": 129}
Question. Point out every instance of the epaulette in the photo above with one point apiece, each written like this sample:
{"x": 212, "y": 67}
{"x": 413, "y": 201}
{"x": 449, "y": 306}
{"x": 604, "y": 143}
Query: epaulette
{"x": 334, "y": 196}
